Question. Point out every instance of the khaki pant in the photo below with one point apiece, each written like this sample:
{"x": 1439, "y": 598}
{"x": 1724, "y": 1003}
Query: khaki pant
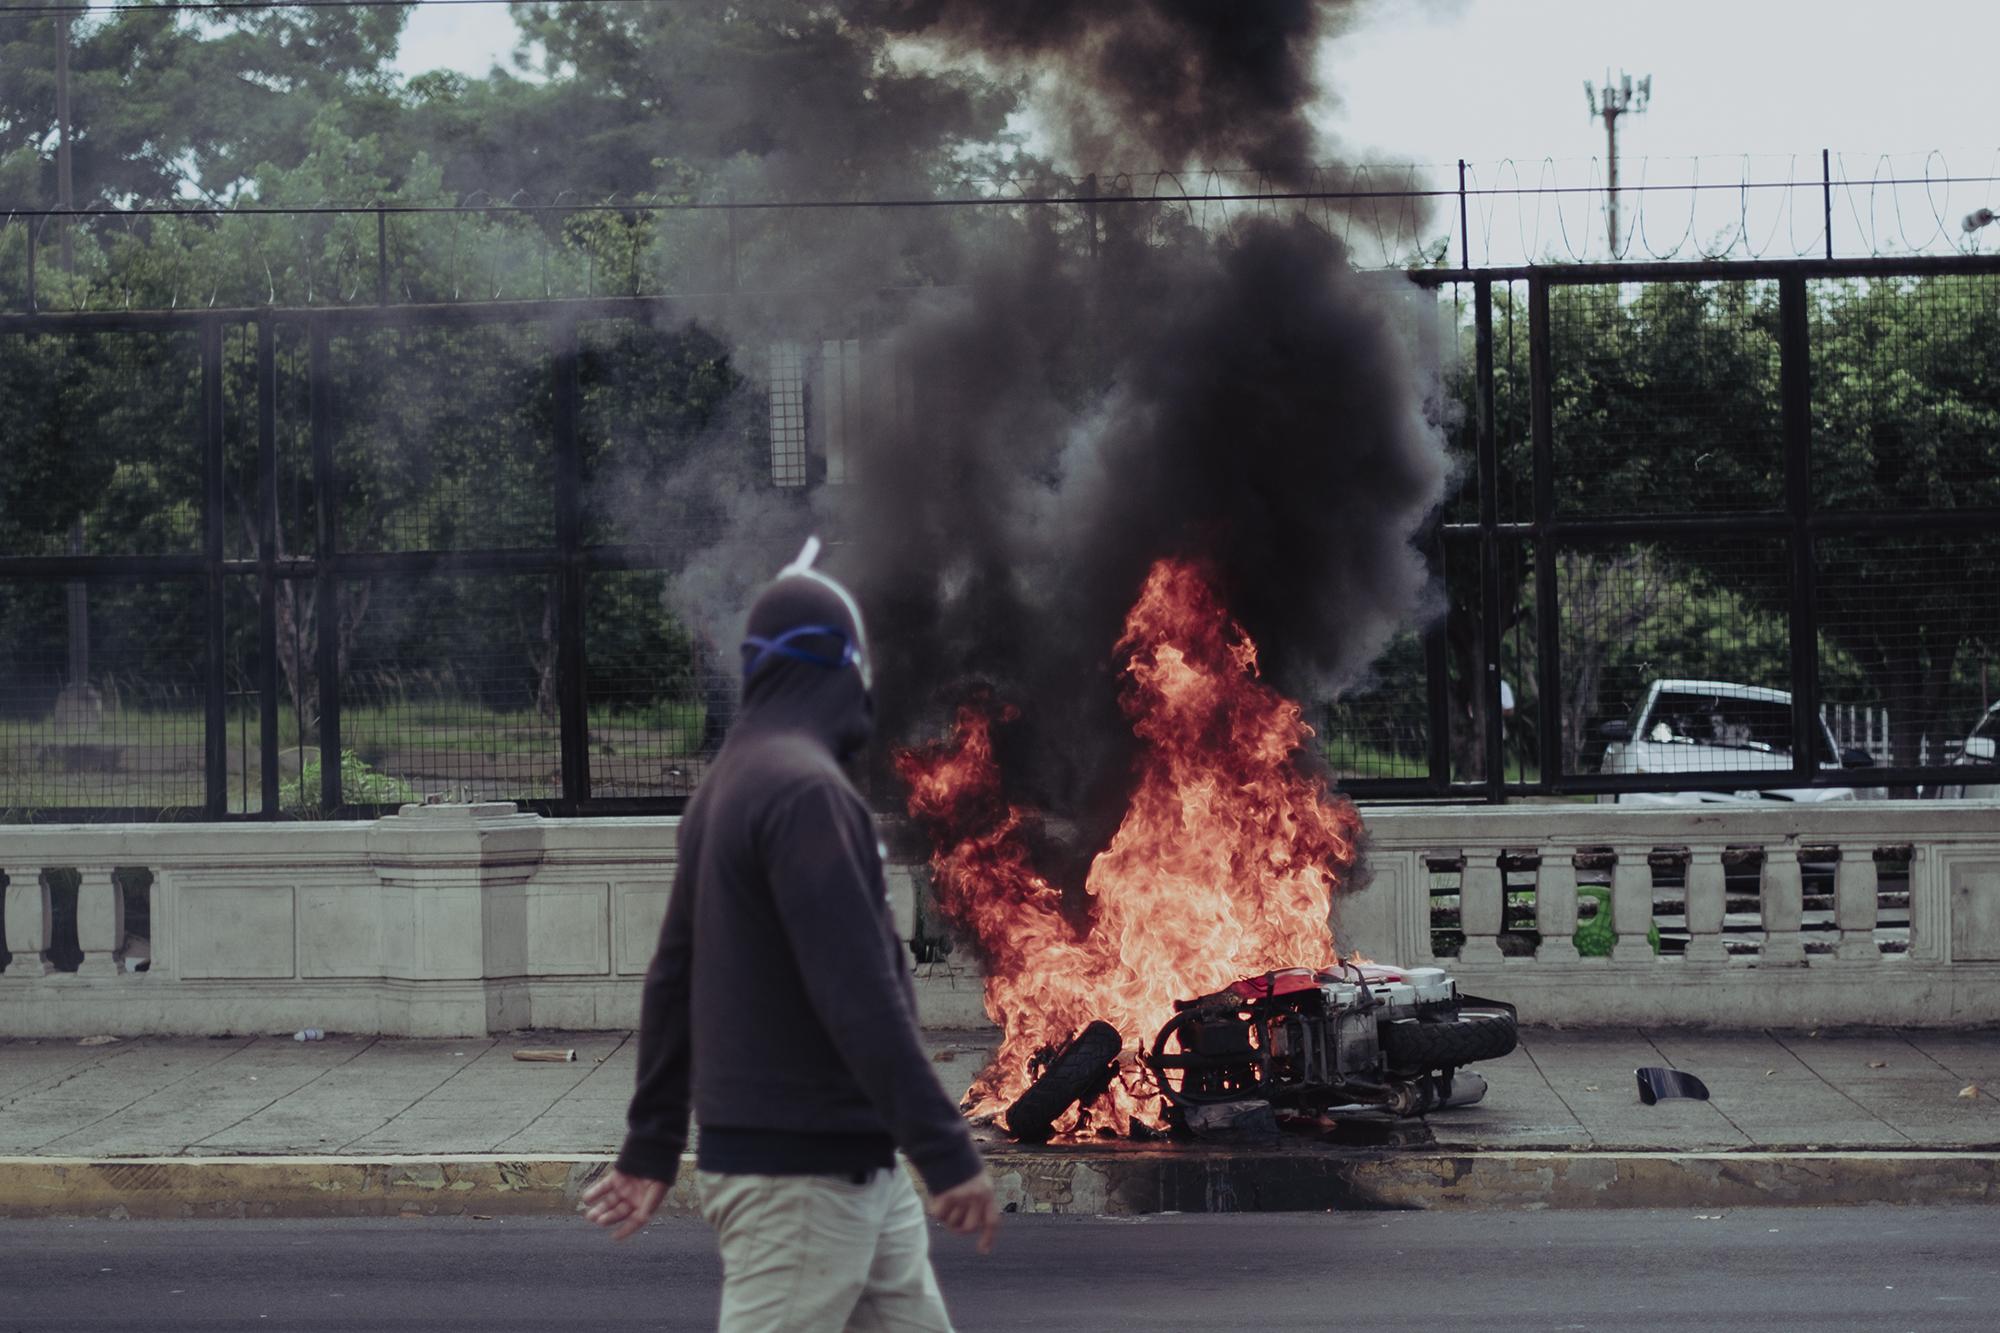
{"x": 813, "y": 1253}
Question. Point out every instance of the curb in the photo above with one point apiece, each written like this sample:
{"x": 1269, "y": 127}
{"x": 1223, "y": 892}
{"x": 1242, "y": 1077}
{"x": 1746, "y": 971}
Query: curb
{"x": 1117, "y": 1183}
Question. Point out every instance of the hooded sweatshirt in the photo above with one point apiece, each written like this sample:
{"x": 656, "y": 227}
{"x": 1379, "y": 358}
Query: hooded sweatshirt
{"x": 780, "y": 996}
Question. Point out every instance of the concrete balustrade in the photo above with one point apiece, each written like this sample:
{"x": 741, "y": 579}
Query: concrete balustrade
{"x": 28, "y": 921}
{"x": 451, "y": 920}
{"x": 1765, "y": 915}
{"x": 100, "y": 921}
{"x": 1783, "y": 897}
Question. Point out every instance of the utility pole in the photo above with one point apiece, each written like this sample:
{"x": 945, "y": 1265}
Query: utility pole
{"x": 78, "y": 594}
{"x": 65, "y": 184}
{"x": 1615, "y": 100}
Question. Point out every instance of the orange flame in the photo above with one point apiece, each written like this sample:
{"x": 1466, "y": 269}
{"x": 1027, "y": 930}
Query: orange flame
{"x": 1225, "y": 865}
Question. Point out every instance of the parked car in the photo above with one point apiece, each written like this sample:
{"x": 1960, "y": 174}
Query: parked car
{"x": 1982, "y": 746}
{"x": 1707, "y": 726}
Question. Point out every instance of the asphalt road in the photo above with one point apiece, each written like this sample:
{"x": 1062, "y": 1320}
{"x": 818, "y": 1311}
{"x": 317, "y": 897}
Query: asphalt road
{"x": 1766, "y": 1269}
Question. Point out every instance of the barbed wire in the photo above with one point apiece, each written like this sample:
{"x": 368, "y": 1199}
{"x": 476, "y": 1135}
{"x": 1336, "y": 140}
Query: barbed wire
{"x": 231, "y": 6}
{"x": 1839, "y": 206}
{"x": 490, "y": 246}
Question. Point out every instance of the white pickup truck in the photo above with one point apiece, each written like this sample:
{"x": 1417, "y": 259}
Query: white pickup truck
{"x": 1981, "y": 747}
{"x": 1713, "y": 726}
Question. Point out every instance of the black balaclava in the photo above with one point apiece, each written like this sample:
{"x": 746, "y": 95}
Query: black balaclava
{"x": 805, "y": 660}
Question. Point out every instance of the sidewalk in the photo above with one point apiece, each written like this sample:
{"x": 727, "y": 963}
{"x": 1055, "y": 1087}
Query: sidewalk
{"x": 458, "y": 1119}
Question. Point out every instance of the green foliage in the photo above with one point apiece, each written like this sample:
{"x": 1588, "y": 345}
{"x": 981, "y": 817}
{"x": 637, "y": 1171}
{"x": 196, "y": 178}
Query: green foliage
{"x": 167, "y": 104}
{"x": 359, "y": 785}
{"x": 1665, "y": 399}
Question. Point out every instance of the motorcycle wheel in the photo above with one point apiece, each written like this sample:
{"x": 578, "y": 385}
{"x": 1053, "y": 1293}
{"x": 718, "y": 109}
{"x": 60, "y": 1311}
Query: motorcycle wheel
{"x": 1080, "y": 1069}
{"x": 1472, "y": 1034}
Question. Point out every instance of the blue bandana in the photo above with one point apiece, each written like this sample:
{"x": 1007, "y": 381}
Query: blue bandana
{"x": 756, "y": 648}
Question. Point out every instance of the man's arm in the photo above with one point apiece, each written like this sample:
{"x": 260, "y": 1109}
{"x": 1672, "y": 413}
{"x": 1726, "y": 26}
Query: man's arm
{"x": 826, "y": 880}
{"x": 657, "y": 1123}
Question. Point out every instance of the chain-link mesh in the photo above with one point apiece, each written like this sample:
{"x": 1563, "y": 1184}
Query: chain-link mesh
{"x": 14, "y": 293}
{"x": 444, "y": 438}
{"x": 1472, "y": 695}
{"x": 101, "y": 701}
{"x": 1675, "y": 658}
{"x": 1665, "y": 398}
{"x": 1449, "y": 350}
{"x": 449, "y": 690}
{"x": 1381, "y": 727}
{"x": 1909, "y": 629}
{"x": 661, "y": 694}
{"x": 242, "y": 398}
{"x": 99, "y": 448}
{"x": 670, "y": 427}
{"x": 1906, "y": 392}
{"x": 444, "y": 432}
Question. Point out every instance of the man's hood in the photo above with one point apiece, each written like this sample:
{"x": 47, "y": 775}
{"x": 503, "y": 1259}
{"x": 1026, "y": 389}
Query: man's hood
{"x": 827, "y": 698}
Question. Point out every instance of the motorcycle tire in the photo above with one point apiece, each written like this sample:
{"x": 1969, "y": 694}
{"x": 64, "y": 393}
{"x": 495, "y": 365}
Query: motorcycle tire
{"x": 1472, "y": 1034}
{"x": 1080, "y": 1069}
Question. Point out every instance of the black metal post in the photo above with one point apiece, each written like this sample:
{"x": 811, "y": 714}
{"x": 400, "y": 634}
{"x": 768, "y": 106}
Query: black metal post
{"x": 34, "y": 301}
{"x": 326, "y": 587}
{"x": 65, "y": 187}
{"x": 1795, "y": 395}
{"x": 381, "y": 256}
{"x": 572, "y": 698}
{"x": 215, "y": 727}
{"x": 729, "y": 213}
{"x": 1437, "y": 648}
{"x": 1464, "y": 231}
{"x": 1437, "y": 674}
{"x": 267, "y": 565}
{"x": 1548, "y": 614}
{"x": 1488, "y": 449}
{"x": 1090, "y": 210}
{"x": 1826, "y": 194}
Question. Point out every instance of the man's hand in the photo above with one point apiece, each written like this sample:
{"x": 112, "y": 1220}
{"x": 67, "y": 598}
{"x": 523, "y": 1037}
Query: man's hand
{"x": 627, "y": 1203}
{"x": 968, "y": 1208}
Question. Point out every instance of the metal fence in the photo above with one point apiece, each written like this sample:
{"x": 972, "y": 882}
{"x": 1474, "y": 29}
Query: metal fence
{"x": 1705, "y": 505}
{"x": 1712, "y": 503}
{"x": 521, "y": 245}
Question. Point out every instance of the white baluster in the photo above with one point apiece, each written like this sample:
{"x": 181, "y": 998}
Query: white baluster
{"x": 1555, "y": 906}
{"x": 1481, "y": 905}
{"x": 30, "y": 923}
{"x": 1855, "y": 905}
{"x": 100, "y": 921}
{"x": 1706, "y": 904}
{"x": 1632, "y": 906}
{"x": 1783, "y": 905}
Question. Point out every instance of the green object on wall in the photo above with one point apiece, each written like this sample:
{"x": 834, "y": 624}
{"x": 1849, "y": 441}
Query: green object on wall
{"x": 1595, "y": 937}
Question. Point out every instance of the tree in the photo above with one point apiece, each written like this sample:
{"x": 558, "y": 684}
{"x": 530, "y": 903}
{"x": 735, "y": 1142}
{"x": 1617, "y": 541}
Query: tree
{"x": 166, "y": 105}
{"x": 1906, "y": 398}
{"x": 1666, "y": 400}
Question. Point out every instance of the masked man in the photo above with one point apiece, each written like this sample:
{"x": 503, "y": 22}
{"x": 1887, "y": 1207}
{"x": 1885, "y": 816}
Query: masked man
{"x": 780, "y": 998}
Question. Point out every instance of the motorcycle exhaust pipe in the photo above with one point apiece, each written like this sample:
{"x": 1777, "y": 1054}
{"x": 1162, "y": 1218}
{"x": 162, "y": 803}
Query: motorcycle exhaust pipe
{"x": 1466, "y": 1089}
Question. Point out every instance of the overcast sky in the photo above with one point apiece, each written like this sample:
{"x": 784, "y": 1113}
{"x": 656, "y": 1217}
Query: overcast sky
{"x": 1431, "y": 81}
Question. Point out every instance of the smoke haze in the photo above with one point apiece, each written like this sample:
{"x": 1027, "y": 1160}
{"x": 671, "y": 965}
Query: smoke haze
{"x": 1111, "y": 385}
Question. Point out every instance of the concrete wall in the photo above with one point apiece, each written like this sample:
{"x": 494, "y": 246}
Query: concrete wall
{"x": 1770, "y": 915}
{"x": 449, "y": 920}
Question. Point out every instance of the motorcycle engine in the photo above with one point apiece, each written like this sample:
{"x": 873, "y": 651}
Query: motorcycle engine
{"x": 1350, "y": 1020}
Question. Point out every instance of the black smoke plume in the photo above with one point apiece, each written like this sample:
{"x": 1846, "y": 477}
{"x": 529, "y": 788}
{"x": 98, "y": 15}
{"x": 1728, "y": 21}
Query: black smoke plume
{"x": 1185, "y": 81}
{"x": 1123, "y": 383}
{"x": 1259, "y": 411}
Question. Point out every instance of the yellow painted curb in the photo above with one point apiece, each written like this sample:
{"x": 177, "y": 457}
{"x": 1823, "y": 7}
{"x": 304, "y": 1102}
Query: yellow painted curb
{"x": 296, "y": 1186}
{"x": 1029, "y": 1181}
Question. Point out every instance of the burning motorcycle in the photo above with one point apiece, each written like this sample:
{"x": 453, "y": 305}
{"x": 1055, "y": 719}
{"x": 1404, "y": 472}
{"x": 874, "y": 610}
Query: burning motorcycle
{"x": 1299, "y": 1040}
